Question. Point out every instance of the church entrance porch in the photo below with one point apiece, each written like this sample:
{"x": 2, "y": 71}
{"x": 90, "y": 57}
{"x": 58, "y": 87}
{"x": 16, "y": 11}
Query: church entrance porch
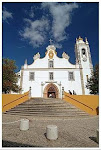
{"x": 51, "y": 91}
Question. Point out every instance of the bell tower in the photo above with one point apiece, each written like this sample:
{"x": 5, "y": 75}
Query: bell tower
{"x": 83, "y": 59}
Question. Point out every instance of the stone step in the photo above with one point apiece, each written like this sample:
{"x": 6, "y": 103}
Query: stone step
{"x": 50, "y": 115}
{"x": 45, "y": 105}
{"x": 54, "y": 112}
{"x": 47, "y": 108}
{"x": 60, "y": 110}
{"x": 47, "y": 112}
{"x": 45, "y": 102}
{"x": 50, "y": 100}
{"x": 46, "y": 99}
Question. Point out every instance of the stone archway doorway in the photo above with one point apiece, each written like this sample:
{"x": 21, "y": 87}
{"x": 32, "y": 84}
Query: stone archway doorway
{"x": 51, "y": 91}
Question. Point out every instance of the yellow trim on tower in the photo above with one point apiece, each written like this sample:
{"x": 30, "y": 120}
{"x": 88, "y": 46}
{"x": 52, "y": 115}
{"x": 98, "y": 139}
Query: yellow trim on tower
{"x": 80, "y": 38}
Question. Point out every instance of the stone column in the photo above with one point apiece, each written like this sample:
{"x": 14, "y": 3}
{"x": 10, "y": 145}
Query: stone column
{"x": 60, "y": 89}
{"x": 29, "y": 92}
{"x": 21, "y": 80}
{"x": 42, "y": 84}
{"x": 62, "y": 92}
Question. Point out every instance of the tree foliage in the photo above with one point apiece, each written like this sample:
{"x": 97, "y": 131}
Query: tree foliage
{"x": 10, "y": 78}
{"x": 93, "y": 81}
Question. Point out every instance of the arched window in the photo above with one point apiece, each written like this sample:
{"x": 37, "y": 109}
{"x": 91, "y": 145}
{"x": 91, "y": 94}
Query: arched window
{"x": 83, "y": 51}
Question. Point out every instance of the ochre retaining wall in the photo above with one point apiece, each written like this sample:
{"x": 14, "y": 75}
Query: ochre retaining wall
{"x": 87, "y": 103}
{"x": 11, "y": 100}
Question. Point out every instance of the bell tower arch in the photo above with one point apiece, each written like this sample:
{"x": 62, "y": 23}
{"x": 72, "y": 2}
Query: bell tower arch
{"x": 83, "y": 59}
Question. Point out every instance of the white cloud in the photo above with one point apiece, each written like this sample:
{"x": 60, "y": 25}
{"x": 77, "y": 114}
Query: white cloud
{"x": 61, "y": 14}
{"x": 7, "y": 15}
{"x": 35, "y": 31}
{"x": 31, "y": 13}
{"x": 57, "y": 45}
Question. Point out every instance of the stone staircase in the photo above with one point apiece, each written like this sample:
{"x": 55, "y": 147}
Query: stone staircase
{"x": 39, "y": 107}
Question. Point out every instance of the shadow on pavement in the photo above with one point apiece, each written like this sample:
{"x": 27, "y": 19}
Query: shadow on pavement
{"x": 14, "y": 144}
{"x": 93, "y": 139}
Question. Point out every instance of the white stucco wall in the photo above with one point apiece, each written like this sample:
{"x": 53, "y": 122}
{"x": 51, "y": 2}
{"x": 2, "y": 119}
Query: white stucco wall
{"x": 60, "y": 72}
{"x": 60, "y": 76}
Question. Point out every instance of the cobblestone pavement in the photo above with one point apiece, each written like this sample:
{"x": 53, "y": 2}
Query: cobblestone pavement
{"x": 72, "y": 132}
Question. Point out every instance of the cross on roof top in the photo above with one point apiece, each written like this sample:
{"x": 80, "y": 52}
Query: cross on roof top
{"x": 50, "y": 41}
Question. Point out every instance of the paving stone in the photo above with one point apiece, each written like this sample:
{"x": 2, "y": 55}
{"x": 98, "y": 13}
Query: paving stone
{"x": 73, "y": 132}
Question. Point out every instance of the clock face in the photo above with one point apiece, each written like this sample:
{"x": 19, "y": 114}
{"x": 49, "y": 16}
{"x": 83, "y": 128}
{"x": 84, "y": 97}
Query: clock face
{"x": 51, "y": 54}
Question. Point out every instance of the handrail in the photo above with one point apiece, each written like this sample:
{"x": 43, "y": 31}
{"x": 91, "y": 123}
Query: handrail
{"x": 15, "y": 100}
{"x": 79, "y": 102}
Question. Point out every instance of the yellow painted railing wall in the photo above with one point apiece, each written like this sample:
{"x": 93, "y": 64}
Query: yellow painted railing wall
{"x": 87, "y": 103}
{"x": 12, "y": 100}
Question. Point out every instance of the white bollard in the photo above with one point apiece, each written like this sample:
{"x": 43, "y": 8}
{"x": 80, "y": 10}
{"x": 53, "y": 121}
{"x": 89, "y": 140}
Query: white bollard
{"x": 52, "y": 132}
{"x": 24, "y": 124}
{"x": 97, "y": 138}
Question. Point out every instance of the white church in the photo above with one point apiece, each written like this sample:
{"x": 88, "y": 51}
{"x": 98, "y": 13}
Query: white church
{"x": 48, "y": 76}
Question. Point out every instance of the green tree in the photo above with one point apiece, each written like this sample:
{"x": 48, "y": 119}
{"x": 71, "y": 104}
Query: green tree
{"x": 93, "y": 81}
{"x": 10, "y": 78}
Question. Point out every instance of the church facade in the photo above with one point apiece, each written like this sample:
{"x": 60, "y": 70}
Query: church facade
{"x": 48, "y": 76}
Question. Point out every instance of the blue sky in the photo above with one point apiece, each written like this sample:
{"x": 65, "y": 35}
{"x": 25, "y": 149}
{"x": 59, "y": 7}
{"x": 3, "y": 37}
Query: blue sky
{"x": 27, "y": 28}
